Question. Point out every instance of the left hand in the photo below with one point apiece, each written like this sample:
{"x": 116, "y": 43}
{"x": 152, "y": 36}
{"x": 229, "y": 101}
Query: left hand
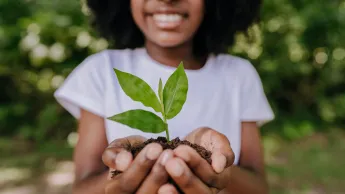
{"x": 143, "y": 174}
{"x": 192, "y": 173}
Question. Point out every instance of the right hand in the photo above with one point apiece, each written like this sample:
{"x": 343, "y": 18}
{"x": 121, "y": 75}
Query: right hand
{"x": 141, "y": 175}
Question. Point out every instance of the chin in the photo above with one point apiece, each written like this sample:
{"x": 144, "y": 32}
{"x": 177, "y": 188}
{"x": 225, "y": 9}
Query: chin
{"x": 169, "y": 41}
{"x": 168, "y": 44}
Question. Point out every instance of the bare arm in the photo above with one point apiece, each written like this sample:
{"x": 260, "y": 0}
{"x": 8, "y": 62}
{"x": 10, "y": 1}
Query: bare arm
{"x": 249, "y": 177}
{"x": 90, "y": 173}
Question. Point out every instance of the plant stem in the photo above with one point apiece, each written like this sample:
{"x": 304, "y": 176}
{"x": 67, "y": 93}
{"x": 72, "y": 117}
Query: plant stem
{"x": 167, "y": 129}
{"x": 165, "y": 121}
{"x": 167, "y": 134}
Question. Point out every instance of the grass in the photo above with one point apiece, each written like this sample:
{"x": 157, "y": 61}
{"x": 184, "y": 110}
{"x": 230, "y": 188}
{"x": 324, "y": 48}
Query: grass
{"x": 312, "y": 165}
{"x": 23, "y": 154}
{"x": 23, "y": 163}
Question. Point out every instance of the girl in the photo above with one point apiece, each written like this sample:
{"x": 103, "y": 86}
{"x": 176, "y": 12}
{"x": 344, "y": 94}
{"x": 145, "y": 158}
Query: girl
{"x": 225, "y": 94}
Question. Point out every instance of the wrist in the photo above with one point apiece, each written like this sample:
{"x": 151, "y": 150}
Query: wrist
{"x": 246, "y": 180}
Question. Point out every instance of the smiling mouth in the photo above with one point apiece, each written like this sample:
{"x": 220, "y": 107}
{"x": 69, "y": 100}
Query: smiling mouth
{"x": 168, "y": 21}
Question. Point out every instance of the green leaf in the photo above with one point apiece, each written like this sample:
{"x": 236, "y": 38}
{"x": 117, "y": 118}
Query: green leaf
{"x": 141, "y": 119}
{"x": 160, "y": 90}
{"x": 138, "y": 90}
{"x": 175, "y": 92}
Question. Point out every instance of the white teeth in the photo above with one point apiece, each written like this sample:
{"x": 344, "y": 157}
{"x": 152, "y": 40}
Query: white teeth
{"x": 167, "y": 17}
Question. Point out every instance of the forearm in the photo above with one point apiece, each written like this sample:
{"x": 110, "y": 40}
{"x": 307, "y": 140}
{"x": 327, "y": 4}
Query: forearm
{"x": 244, "y": 181}
{"x": 92, "y": 185}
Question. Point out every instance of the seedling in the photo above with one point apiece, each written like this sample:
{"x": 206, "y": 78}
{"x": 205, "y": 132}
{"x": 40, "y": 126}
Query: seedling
{"x": 169, "y": 102}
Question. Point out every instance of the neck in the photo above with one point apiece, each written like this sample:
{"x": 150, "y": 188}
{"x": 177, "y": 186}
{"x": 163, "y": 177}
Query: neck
{"x": 174, "y": 55}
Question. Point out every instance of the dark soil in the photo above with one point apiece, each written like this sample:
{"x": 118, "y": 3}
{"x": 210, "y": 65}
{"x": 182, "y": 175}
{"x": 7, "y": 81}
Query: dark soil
{"x": 135, "y": 149}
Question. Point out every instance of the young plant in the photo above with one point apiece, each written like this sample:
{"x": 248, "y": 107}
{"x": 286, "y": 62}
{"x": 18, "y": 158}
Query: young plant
{"x": 169, "y": 102}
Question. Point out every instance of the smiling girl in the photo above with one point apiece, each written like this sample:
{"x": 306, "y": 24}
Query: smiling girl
{"x": 225, "y": 105}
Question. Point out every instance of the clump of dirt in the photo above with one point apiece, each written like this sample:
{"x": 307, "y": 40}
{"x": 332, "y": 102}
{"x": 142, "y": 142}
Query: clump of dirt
{"x": 135, "y": 149}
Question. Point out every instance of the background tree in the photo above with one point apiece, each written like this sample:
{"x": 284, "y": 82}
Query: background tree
{"x": 298, "y": 49}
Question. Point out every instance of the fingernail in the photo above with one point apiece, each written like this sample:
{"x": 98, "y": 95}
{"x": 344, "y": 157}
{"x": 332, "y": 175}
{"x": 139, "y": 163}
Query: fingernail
{"x": 153, "y": 152}
{"x": 122, "y": 161}
{"x": 165, "y": 191}
{"x": 220, "y": 163}
{"x": 164, "y": 158}
{"x": 177, "y": 169}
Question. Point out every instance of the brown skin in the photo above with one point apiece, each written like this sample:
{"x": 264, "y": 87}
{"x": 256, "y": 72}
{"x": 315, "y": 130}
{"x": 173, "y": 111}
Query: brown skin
{"x": 171, "y": 46}
{"x": 248, "y": 177}
{"x": 134, "y": 174}
{"x": 149, "y": 173}
{"x": 145, "y": 174}
{"x": 90, "y": 172}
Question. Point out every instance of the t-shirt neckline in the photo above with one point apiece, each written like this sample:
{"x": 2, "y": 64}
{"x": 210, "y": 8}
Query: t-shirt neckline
{"x": 155, "y": 63}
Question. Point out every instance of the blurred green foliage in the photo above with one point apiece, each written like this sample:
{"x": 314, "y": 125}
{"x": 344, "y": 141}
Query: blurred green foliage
{"x": 298, "y": 49}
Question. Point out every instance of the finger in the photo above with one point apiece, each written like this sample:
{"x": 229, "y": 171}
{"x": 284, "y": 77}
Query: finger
{"x": 219, "y": 145}
{"x": 117, "y": 146}
{"x": 222, "y": 158}
{"x": 119, "y": 159}
{"x": 218, "y": 162}
{"x": 167, "y": 189}
{"x": 158, "y": 175}
{"x": 184, "y": 178}
{"x": 129, "y": 141}
{"x": 129, "y": 181}
{"x": 202, "y": 168}
{"x": 109, "y": 156}
{"x": 221, "y": 151}
{"x": 123, "y": 160}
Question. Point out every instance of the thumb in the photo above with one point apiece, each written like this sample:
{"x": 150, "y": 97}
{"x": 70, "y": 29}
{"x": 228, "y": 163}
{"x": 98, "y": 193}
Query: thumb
{"x": 117, "y": 155}
{"x": 117, "y": 158}
{"x": 222, "y": 159}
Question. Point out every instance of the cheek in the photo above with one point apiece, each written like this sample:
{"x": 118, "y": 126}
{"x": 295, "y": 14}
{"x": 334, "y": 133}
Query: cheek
{"x": 197, "y": 13}
{"x": 137, "y": 13}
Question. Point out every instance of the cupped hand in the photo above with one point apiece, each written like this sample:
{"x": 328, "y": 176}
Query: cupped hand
{"x": 192, "y": 173}
{"x": 145, "y": 174}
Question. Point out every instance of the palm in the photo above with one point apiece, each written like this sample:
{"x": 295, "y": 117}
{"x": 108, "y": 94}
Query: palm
{"x": 209, "y": 139}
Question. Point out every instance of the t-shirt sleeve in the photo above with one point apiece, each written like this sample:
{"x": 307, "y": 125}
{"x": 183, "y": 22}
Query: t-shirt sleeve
{"x": 84, "y": 87}
{"x": 254, "y": 105}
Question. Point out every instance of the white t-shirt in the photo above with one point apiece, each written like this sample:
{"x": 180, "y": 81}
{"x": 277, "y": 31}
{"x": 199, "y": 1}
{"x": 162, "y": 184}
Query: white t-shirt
{"x": 222, "y": 94}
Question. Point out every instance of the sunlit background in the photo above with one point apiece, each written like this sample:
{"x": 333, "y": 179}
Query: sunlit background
{"x": 298, "y": 49}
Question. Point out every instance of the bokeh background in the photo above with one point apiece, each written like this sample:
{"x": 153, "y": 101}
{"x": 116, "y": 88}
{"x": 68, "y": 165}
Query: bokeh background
{"x": 298, "y": 49}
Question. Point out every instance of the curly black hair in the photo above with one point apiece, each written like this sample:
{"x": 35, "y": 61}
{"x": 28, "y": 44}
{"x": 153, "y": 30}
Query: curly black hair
{"x": 223, "y": 19}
